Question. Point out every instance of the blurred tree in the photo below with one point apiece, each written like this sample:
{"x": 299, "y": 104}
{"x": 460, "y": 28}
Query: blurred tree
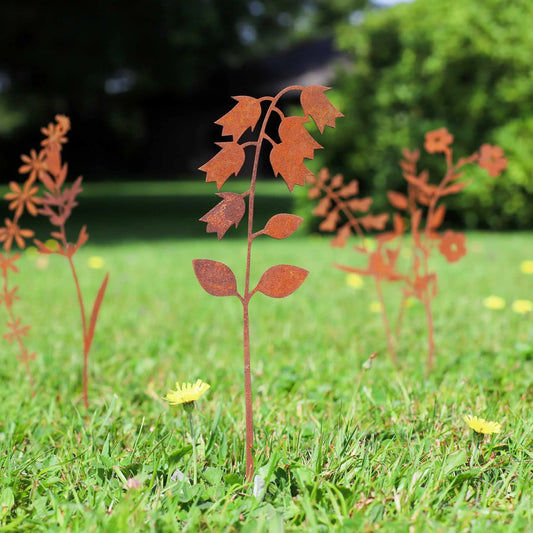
{"x": 102, "y": 61}
{"x": 462, "y": 64}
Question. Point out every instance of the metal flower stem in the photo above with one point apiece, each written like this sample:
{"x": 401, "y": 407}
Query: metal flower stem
{"x": 427, "y": 297}
{"x": 385, "y": 317}
{"x": 84, "y": 330}
{"x": 399, "y": 319}
{"x": 248, "y": 294}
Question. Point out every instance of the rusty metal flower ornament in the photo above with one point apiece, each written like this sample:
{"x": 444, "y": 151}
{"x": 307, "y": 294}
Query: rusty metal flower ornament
{"x": 21, "y": 199}
{"x": 57, "y": 204}
{"x": 287, "y": 160}
{"x": 424, "y": 201}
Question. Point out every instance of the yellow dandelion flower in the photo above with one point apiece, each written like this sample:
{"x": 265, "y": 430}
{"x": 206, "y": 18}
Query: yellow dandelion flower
{"x": 522, "y": 307}
{"x": 187, "y": 392}
{"x": 409, "y": 302}
{"x": 370, "y": 244}
{"x": 354, "y": 280}
{"x": 52, "y": 244}
{"x": 376, "y": 307}
{"x": 95, "y": 262}
{"x": 494, "y": 302}
{"x": 480, "y": 425}
{"x": 526, "y": 267}
{"x": 31, "y": 251}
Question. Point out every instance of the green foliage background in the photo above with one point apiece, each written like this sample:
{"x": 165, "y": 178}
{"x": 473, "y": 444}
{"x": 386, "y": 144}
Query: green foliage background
{"x": 462, "y": 64}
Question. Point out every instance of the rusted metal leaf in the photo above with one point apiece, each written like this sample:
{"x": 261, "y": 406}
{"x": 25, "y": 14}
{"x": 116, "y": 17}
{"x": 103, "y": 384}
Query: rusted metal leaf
{"x": 351, "y": 189}
{"x": 331, "y": 221}
{"x": 96, "y": 310}
{"x": 242, "y": 117}
{"x": 436, "y": 219}
{"x": 397, "y": 200}
{"x": 343, "y": 233}
{"x": 226, "y": 213}
{"x": 227, "y": 162}
{"x": 322, "y": 209}
{"x": 282, "y": 225}
{"x": 454, "y": 188}
{"x": 281, "y": 280}
{"x": 296, "y": 138}
{"x": 289, "y": 164}
{"x": 215, "y": 277}
{"x": 360, "y": 204}
{"x": 316, "y": 104}
{"x": 378, "y": 222}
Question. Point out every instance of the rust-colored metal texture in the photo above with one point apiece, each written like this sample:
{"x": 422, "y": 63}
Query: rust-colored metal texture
{"x": 287, "y": 160}
{"x": 57, "y": 204}
{"x": 21, "y": 199}
{"x": 423, "y": 207}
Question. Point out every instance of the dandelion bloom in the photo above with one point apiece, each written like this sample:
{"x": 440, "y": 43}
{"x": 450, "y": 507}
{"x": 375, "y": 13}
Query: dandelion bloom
{"x": 522, "y": 307}
{"x": 409, "y": 302}
{"x": 23, "y": 198}
{"x": 526, "y": 267}
{"x": 480, "y": 425}
{"x": 12, "y": 231}
{"x": 376, "y": 307}
{"x": 452, "y": 246}
{"x": 370, "y": 244}
{"x": 354, "y": 280}
{"x": 438, "y": 140}
{"x": 187, "y": 392}
{"x": 34, "y": 164}
{"x": 52, "y": 244}
{"x": 494, "y": 302}
{"x": 31, "y": 251}
{"x": 492, "y": 160}
{"x": 95, "y": 262}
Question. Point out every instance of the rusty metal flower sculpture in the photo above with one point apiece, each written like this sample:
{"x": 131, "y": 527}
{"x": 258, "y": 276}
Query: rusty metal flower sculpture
{"x": 287, "y": 160}
{"x": 20, "y": 199}
{"x": 57, "y": 204}
{"x": 423, "y": 201}
{"x": 346, "y": 214}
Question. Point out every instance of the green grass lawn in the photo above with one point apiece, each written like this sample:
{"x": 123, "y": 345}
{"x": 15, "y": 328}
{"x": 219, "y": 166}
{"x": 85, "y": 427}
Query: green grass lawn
{"x": 340, "y": 448}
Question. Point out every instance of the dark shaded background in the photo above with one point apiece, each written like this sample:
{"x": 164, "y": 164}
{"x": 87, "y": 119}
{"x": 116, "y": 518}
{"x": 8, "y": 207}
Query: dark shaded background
{"x": 143, "y": 80}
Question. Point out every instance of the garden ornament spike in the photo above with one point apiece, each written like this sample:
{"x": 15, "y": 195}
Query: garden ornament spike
{"x": 287, "y": 160}
{"x": 21, "y": 199}
{"x": 57, "y": 204}
{"x": 424, "y": 201}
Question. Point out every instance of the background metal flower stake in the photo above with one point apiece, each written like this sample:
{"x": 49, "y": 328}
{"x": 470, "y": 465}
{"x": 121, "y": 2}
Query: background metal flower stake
{"x": 57, "y": 204}
{"x": 286, "y": 158}
{"x": 424, "y": 199}
{"x": 21, "y": 199}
